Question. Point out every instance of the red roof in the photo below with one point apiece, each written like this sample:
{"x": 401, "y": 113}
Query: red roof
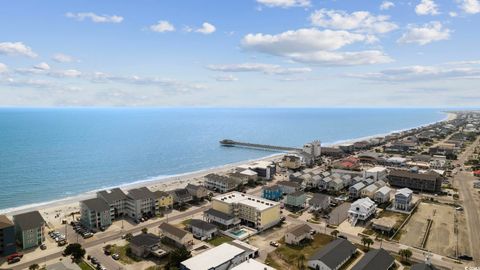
{"x": 476, "y": 172}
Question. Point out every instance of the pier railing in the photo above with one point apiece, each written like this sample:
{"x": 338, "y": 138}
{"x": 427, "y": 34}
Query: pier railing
{"x": 228, "y": 142}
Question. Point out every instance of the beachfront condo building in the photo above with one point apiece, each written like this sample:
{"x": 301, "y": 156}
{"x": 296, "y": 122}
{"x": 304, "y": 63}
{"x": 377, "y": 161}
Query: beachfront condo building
{"x": 423, "y": 182}
{"x": 163, "y": 200}
{"x": 7, "y": 237}
{"x": 116, "y": 199}
{"x": 253, "y": 211}
{"x": 29, "y": 229}
{"x": 95, "y": 214}
{"x": 220, "y": 183}
{"x": 140, "y": 202}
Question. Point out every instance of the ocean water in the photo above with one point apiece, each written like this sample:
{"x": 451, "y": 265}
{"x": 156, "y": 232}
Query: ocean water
{"x": 49, "y": 154}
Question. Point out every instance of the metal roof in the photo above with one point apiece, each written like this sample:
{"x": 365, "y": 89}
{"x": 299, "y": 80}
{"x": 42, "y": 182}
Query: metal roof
{"x": 334, "y": 253}
{"x": 28, "y": 221}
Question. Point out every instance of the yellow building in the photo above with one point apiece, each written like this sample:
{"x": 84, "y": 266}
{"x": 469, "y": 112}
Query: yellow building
{"x": 163, "y": 200}
{"x": 254, "y": 211}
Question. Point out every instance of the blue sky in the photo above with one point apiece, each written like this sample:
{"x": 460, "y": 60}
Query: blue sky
{"x": 248, "y": 53}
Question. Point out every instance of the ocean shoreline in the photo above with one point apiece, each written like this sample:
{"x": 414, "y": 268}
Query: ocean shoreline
{"x": 70, "y": 204}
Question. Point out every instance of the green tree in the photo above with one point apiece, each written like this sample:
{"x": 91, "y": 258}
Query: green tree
{"x": 34, "y": 267}
{"x": 145, "y": 230}
{"x": 367, "y": 241}
{"x": 128, "y": 236}
{"x": 177, "y": 256}
{"x": 334, "y": 233}
{"x": 75, "y": 250}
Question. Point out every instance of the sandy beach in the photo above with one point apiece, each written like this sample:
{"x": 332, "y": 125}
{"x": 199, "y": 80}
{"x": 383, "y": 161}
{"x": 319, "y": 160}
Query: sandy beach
{"x": 53, "y": 212}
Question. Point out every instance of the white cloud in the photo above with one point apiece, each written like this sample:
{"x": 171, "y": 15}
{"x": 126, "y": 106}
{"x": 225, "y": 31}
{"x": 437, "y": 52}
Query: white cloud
{"x": 68, "y": 73}
{"x": 42, "y": 66}
{"x": 226, "y": 78}
{"x": 164, "y": 83}
{"x": 470, "y": 6}
{"x": 3, "y": 68}
{"x": 62, "y": 58}
{"x": 368, "y": 57}
{"x": 259, "y": 67}
{"x": 81, "y": 16}
{"x": 427, "y": 7}
{"x": 315, "y": 46}
{"x": 162, "y": 26}
{"x": 16, "y": 48}
{"x": 362, "y": 21}
{"x": 285, "y": 3}
{"x": 301, "y": 40}
{"x": 386, "y": 5}
{"x": 422, "y": 35}
{"x": 423, "y": 73}
{"x": 452, "y": 14}
{"x": 206, "y": 28}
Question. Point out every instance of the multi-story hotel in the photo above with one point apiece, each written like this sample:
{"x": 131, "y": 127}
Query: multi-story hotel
{"x": 253, "y": 211}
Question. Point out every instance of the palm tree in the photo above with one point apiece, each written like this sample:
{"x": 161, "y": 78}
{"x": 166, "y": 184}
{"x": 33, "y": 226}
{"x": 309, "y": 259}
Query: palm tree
{"x": 300, "y": 261}
{"x": 334, "y": 233}
{"x": 405, "y": 253}
{"x": 145, "y": 230}
{"x": 34, "y": 267}
{"x": 367, "y": 241}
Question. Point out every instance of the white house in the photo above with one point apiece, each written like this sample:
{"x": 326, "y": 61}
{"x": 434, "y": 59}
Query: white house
{"x": 382, "y": 195}
{"x": 377, "y": 173}
{"x": 355, "y": 190}
{"x": 403, "y": 199}
{"x": 369, "y": 190}
{"x": 361, "y": 209}
{"x": 298, "y": 234}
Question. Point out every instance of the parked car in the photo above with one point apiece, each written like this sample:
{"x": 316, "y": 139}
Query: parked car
{"x": 343, "y": 236}
{"x": 14, "y": 260}
{"x": 274, "y": 244}
{"x": 43, "y": 246}
{"x": 115, "y": 256}
{"x": 107, "y": 252}
{"x": 465, "y": 257}
{"x": 62, "y": 243}
{"x": 14, "y": 255}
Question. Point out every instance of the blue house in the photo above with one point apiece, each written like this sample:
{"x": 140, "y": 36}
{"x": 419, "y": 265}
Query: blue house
{"x": 7, "y": 237}
{"x": 273, "y": 193}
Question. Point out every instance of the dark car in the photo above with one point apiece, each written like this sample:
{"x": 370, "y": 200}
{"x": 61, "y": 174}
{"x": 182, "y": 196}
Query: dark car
{"x": 43, "y": 247}
{"x": 107, "y": 252}
{"x": 465, "y": 257}
{"x": 14, "y": 260}
{"x": 343, "y": 236}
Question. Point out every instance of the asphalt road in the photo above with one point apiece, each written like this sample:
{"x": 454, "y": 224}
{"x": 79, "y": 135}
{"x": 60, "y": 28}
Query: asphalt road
{"x": 464, "y": 181}
{"x": 98, "y": 241}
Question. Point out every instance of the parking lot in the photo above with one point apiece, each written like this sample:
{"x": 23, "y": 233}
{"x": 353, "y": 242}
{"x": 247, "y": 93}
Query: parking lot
{"x": 442, "y": 238}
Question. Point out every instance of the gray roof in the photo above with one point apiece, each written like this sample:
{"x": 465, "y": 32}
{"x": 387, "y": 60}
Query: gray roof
{"x": 193, "y": 187}
{"x": 296, "y": 193}
{"x": 96, "y": 204}
{"x": 218, "y": 214}
{"x": 334, "y": 253}
{"x": 430, "y": 176}
{"x": 202, "y": 225}
{"x": 169, "y": 228}
{"x": 274, "y": 187}
{"x": 140, "y": 193}
{"x": 5, "y": 222}
{"x": 318, "y": 199}
{"x": 145, "y": 239}
{"x": 159, "y": 194}
{"x": 377, "y": 259}
{"x": 300, "y": 230}
{"x": 28, "y": 221}
{"x": 288, "y": 184}
{"x": 423, "y": 266}
{"x": 181, "y": 193}
{"x": 113, "y": 195}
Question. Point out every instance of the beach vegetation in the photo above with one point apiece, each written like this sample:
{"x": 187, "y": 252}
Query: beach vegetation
{"x": 219, "y": 239}
{"x": 295, "y": 255}
{"x": 128, "y": 236}
{"x": 177, "y": 256}
{"x": 34, "y": 267}
{"x": 145, "y": 230}
{"x": 84, "y": 266}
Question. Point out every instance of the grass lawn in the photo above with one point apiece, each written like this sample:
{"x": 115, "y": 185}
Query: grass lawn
{"x": 219, "y": 239}
{"x": 84, "y": 266}
{"x": 291, "y": 254}
{"x": 271, "y": 262}
{"x": 122, "y": 251}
